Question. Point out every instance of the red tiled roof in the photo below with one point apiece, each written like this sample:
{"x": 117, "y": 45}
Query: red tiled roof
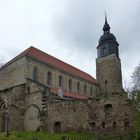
{"x": 46, "y": 58}
{"x": 69, "y": 94}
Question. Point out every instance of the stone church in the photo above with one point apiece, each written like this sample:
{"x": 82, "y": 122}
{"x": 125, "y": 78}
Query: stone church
{"x": 41, "y": 92}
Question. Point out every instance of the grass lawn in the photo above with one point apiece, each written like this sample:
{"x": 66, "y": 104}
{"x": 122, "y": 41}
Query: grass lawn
{"x": 40, "y": 135}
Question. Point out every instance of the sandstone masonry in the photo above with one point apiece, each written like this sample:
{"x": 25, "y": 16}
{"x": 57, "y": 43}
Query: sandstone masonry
{"x": 40, "y": 92}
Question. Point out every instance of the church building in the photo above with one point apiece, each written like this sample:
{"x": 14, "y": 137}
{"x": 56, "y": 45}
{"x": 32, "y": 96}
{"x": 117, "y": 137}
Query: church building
{"x": 41, "y": 92}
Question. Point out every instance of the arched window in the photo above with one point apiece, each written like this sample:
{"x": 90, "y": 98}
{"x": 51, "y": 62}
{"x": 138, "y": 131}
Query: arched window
{"x": 78, "y": 87}
{"x": 60, "y": 81}
{"x": 49, "y": 78}
{"x": 85, "y": 89}
{"x": 70, "y": 84}
{"x": 35, "y": 73}
{"x": 91, "y": 91}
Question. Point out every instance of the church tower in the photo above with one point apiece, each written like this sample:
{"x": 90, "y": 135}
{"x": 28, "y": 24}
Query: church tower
{"x": 108, "y": 65}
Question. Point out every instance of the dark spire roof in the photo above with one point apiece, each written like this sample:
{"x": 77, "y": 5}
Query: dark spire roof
{"x": 106, "y": 27}
{"x": 107, "y": 36}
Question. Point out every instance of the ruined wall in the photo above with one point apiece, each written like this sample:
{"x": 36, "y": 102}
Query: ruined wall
{"x": 16, "y": 107}
{"x": 113, "y": 111}
{"x": 13, "y": 99}
{"x": 104, "y": 114}
{"x": 71, "y": 115}
{"x": 25, "y": 101}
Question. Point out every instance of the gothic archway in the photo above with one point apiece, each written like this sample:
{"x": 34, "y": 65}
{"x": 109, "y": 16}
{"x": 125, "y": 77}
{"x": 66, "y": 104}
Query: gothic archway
{"x": 31, "y": 118}
{"x": 3, "y": 116}
{"x": 16, "y": 121}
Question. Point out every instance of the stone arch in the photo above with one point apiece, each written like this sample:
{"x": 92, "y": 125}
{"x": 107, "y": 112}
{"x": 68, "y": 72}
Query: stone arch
{"x": 13, "y": 105}
{"x": 3, "y": 115}
{"x": 16, "y": 121}
{"x": 31, "y": 118}
{"x": 34, "y": 105}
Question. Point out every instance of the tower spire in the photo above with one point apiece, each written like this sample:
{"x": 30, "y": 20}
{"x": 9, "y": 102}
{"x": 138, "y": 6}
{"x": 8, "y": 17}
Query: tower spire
{"x": 105, "y": 17}
{"x": 106, "y": 27}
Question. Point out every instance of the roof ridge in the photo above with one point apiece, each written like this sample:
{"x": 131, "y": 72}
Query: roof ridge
{"x": 47, "y": 58}
{"x": 18, "y": 56}
{"x": 32, "y": 47}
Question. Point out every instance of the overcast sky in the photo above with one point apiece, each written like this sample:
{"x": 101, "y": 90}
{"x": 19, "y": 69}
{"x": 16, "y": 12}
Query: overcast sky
{"x": 70, "y": 30}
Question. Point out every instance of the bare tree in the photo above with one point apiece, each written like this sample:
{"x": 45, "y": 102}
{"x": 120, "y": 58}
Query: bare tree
{"x": 136, "y": 78}
{"x": 134, "y": 89}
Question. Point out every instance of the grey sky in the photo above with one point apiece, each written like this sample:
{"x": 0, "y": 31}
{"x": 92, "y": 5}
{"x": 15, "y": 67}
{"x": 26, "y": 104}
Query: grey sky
{"x": 70, "y": 30}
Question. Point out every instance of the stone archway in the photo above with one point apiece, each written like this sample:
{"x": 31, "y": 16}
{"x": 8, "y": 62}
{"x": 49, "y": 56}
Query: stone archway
{"x": 3, "y": 116}
{"x": 16, "y": 121}
{"x": 31, "y": 118}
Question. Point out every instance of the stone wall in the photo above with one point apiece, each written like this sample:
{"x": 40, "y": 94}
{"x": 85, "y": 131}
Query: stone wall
{"x": 105, "y": 113}
{"x": 43, "y": 69}
{"x": 108, "y": 71}
{"x": 13, "y": 99}
{"x": 92, "y": 115}
{"x": 113, "y": 111}
{"x": 13, "y": 74}
{"x": 24, "y": 99}
{"x": 72, "y": 116}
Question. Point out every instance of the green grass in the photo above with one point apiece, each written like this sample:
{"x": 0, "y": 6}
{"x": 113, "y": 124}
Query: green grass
{"x": 48, "y": 136}
{"x": 39, "y": 135}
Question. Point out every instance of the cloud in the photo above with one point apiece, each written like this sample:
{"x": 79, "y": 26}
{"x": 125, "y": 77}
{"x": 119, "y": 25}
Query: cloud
{"x": 70, "y": 29}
